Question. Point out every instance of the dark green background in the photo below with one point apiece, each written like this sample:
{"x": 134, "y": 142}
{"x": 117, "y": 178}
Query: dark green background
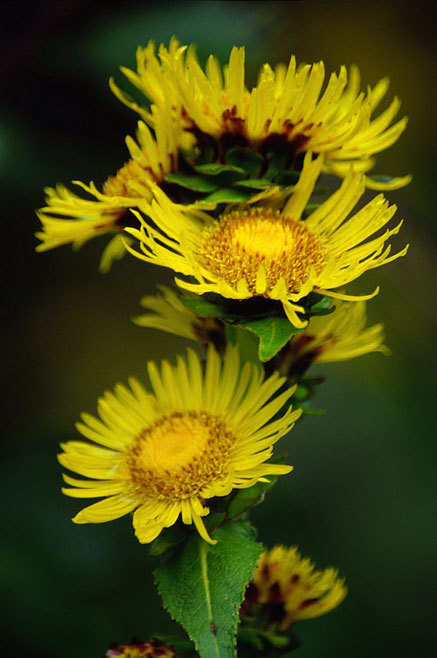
{"x": 363, "y": 493}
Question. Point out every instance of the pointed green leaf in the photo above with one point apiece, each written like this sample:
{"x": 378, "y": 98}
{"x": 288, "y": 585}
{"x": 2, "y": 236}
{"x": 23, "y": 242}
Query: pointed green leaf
{"x": 215, "y": 168}
{"x": 223, "y": 174}
{"x": 195, "y": 183}
{"x": 321, "y": 305}
{"x": 316, "y": 302}
{"x": 227, "y": 195}
{"x": 202, "y": 307}
{"x": 273, "y": 333}
{"x": 255, "y": 183}
{"x": 245, "y": 159}
{"x": 203, "y": 586}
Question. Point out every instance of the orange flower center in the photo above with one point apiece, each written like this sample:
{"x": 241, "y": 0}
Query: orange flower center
{"x": 242, "y": 242}
{"x": 177, "y": 456}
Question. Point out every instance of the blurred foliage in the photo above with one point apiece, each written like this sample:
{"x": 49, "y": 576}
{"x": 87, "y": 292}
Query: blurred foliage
{"x": 362, "y": 496}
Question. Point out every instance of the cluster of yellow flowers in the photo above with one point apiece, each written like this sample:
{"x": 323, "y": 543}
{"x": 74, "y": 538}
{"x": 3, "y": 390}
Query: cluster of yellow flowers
{"x": 220, "y": 187}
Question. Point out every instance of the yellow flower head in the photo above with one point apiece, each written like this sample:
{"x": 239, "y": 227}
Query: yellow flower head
{"x": 268, "y": 249}
{"x": 289, "y": 589}
{"x": 289, "y": 106}
{"x": 167, "y": 312}
{"x": 153, "y": 649}
{"x": 338, "y": 336}
{"x": 161, "y": 455}
{"x": 71, "y": 219}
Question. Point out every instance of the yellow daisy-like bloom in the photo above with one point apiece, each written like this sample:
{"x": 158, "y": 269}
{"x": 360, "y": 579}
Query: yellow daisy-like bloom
{"x": 153, "y": 649}
{"x": 162, "y": 455}
{"x": 289, "y": 588}
{"x": 339, "y": 336}
{"x": 168, "y": 313}
{"x": 69, "y": 218}
{"x": 286, "y": 105}
{"x": 262, "y": 250}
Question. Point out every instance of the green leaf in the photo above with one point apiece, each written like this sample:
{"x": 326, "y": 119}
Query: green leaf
{"x": 227, "y": 195}
{"x": 213, "y": 521}
{"x": 222, "y": 175}
{"x": 255, "y": 183}
{"x": 316, "y": 302}
{"x": 245, "y": 159}
{"x": 203, "y": 308}
{"x": 273, "y": 333}
{"x": 277, "y": 162}
{"x": 203, "y": 586}
{"x": 323, "y": 306}
{"x": 195, "y": 183}
{"x": 215, "y": 168}
{"x": 321, "y": 311}
{"x": 287, "y": 178}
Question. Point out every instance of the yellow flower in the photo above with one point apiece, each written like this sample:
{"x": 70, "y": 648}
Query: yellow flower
{"x": 287, "y": 106}
{"x": 69, "y": 218}
{"x": 336, "y": 337}
{"x": 263, "y": 250}
{"x": 169, "y": 313}
{"x": 153, "y": 649}
{"x": 289, "y": 590}
{"x": 161, "y": 455}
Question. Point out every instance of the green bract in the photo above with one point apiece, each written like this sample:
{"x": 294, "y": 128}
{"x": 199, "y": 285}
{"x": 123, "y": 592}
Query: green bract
{"x": 264, "y": 318}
